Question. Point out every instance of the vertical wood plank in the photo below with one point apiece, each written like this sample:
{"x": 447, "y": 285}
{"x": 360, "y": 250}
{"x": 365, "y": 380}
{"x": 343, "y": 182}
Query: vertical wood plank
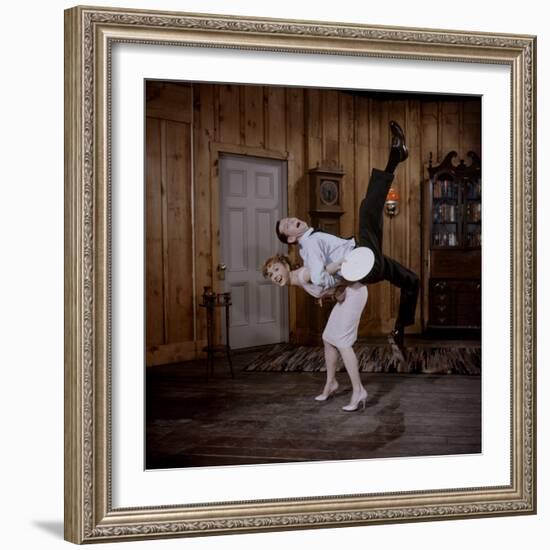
{"x": 229, "y": 111}
{"x": 362, "y": 153}
{"x": 429, "y": 145}
{"x": 314, "y": 129}
{"x": 178, "y": 223}
{"x": 164, "y": 217}
{"x": 362, "y": 176}
{"x": 430, "y": 130}
{"x": 154, "y": 315}
{"x": 275, "y": 118}
{"x": 471, "y": 131}
{"x": 346, "y": 157}
{"x": 204, "y": 133}
{"x": 297, "y": 191}
{"x": 399, "y": 225}
{"x": 313, "y": 138}
{"x": 449, "y": 127}
{"x": 330, "y": 114}
{"x": 253, "y": 115}
{"x": 296, "y": 145}
{"x": 412, "y": 203}
{"x": 380, "y": 142}
{"x": 215, "y": 134}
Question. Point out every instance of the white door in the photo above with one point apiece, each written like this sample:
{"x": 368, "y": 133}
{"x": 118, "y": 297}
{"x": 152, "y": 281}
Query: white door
{"x": 252, "y": 199}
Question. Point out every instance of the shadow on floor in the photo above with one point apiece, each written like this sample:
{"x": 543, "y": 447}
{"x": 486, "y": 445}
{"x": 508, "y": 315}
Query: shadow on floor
{"x": 52, "y": 527}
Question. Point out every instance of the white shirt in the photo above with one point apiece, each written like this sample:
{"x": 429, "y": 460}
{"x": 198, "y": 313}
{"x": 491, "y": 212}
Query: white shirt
{"x": 318, "y": 249}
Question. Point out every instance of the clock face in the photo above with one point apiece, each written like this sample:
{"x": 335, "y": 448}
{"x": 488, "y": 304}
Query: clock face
{"x": 329, "y": 192}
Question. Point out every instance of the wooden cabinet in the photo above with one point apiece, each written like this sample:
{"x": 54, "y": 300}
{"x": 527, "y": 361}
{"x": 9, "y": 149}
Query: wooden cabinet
{"x": 452, "y": 249}
{"x": 455, "y": 303}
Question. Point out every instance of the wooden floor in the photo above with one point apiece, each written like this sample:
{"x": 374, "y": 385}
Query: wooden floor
{"x": 260, "y": 417}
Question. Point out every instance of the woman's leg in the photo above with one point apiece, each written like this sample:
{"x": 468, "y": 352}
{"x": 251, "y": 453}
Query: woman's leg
{"x": 359, "y": 393}
{"x": 331, "y": 361}
{"x": 352, "y": 368}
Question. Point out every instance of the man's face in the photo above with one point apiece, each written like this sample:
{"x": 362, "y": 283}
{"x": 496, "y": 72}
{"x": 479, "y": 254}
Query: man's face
{"x": 278, "y": 273}
{"x": 292, "y": 228}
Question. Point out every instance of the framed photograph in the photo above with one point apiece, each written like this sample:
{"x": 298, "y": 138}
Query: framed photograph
{"x": 208, "y": 160}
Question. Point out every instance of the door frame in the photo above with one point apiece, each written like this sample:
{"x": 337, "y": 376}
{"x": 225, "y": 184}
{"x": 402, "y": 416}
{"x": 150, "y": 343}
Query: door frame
{"x": 217, "y": 149}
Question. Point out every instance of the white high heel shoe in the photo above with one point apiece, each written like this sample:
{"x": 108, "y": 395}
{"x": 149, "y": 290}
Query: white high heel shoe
{"x": 354, "y": 404}
{"x": 325, "y": 395}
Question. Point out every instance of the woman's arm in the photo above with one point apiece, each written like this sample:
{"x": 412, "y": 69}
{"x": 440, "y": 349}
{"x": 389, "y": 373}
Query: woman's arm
{"x": 340, "y": 292}
{"x": 337, "y": 292}
{"x": 314, "y": 259}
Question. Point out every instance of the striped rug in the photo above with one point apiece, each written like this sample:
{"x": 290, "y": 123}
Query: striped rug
{"x": 373, "y": 358}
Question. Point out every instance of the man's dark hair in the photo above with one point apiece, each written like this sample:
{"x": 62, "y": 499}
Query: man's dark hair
{"x": 281, "y": 236}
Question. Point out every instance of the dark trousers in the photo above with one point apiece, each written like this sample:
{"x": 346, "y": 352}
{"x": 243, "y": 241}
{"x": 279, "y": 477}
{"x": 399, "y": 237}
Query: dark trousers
{"x": 371, "y": 225}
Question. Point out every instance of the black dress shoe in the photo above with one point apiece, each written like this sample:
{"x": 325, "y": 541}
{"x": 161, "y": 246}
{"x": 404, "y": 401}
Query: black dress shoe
{"x": 398, "y": 140}
{"x": 396, "y": 339}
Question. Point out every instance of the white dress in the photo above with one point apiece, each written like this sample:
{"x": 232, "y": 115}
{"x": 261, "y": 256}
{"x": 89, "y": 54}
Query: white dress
{"x": 343, "y": 322}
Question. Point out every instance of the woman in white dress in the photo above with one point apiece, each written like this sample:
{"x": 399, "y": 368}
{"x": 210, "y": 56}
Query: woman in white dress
{"x": 341, "y": 329}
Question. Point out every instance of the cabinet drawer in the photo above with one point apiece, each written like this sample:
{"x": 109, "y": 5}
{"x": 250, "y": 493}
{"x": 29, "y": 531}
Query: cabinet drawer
{"x": 440, "y": 309}
{"x": 440, "y": 298}
{"x": 442, "y": 320}
{"x": 455, "y": 302}
{"x": 440, "y": 286}
{"x": 442, "y": 314}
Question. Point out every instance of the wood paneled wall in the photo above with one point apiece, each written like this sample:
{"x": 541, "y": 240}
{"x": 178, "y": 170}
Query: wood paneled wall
{"x": 308, "y": 126}
{"x": 169, "y": 303}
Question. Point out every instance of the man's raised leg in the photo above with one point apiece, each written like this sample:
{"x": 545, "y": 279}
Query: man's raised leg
{"x": 371, "y": 211}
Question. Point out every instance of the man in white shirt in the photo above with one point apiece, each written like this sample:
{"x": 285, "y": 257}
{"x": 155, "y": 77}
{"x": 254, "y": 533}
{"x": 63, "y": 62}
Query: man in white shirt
{"x": 318, "y": 248}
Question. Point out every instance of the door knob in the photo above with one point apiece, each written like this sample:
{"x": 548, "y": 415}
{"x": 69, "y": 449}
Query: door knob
{"x": 221, "y": 271}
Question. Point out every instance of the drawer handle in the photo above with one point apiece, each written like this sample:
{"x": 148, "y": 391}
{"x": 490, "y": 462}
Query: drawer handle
{"x": 440, "y": 285}
{"x": 442, "y": 308}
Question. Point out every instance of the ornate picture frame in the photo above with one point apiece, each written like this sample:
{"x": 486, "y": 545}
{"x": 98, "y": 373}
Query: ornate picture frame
{"x": 90, "y": 34}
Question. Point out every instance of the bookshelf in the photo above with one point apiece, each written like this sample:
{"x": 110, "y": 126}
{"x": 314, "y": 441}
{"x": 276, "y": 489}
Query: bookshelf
{"x": 452, "y": 243}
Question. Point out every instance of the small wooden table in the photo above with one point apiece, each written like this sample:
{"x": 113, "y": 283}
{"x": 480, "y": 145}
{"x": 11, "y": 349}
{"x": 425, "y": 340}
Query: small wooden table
{"x": 211, "y": 301}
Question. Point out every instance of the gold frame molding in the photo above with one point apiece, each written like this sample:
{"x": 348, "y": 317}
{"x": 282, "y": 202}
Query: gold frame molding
{"x": 89, "y": 35}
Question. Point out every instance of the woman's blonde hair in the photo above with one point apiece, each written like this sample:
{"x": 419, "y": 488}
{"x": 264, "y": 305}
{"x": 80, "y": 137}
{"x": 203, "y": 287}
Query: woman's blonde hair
{"x": 276, "y": 259}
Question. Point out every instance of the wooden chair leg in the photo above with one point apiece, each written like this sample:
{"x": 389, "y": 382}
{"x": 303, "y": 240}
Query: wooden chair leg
{"x": 228, "y": 347}
{"x": 230, "y": 363}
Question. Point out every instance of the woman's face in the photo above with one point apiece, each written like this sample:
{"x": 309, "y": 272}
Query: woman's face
{"x": 278, "y": 273}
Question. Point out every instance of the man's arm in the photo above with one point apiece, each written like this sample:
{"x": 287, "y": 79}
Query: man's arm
{"x": 334, "y": 267}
